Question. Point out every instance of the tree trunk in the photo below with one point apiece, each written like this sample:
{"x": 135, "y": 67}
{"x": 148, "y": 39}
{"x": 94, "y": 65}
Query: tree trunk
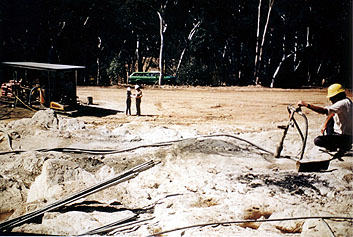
{"x": 278, "y": 68}
{"x": 295, "y": 64}
{"x": 257, "y": 41}
{"x": 98, "y": 61}
{"x": 263, "y": 41}
{"x": 240, "y": 64}
{"x": 137, "y": 55}
{"x": 191, "y": 34}
{"x": 162, "y": 29}
{"x": 180, "y": 59}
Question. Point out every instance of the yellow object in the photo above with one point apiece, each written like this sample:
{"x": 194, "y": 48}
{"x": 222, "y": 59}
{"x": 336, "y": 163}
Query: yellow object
{"x": 55, "y": 105}
{"x": 334, "y": 89}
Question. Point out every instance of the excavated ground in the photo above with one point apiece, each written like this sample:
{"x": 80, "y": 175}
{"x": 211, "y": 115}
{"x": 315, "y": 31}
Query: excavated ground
{"x": 212, "y": 166}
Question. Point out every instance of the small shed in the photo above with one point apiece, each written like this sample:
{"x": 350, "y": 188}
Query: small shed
{"x": 55, "y": 82}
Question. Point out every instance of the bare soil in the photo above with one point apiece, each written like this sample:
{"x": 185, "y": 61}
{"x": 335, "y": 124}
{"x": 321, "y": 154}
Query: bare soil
{"x": 244, "y": 108}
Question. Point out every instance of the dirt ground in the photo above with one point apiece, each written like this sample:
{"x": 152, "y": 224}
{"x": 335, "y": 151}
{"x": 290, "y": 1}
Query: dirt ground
{"x": 210, "y": 167}
{"x": 244, "y": 108}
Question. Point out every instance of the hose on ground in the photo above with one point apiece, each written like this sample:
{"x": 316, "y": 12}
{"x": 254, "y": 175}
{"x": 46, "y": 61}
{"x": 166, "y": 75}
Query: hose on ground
{"x": 249, "y": 221}
{"x": 160, "y": 144}
{"x": 28, "y": 107}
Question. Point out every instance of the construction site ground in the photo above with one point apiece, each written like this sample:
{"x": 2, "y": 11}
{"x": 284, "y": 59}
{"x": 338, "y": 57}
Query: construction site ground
{"x": 216, "y": 167}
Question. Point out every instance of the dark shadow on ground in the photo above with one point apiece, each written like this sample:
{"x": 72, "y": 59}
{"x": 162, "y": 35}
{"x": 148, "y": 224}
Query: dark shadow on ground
{"x": 9, "y": 112}
{"x": 339, "y": 154}
{"x": 143, "y": 115}
{"x": 18, "y": 112}
{"x": 91, "y": 110}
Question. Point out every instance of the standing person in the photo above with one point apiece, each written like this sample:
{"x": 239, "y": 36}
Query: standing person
{"x": 138, "y": 97}
{"x": 128, "y": 101}
{"x": 337, "y": 129}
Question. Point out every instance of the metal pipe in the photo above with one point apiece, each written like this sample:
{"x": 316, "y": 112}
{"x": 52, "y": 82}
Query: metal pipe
{"x": 305, "y": 136}
{"x": 8, "y": 225}
{"x": 279, "y": 148}
{"x": 110, "y": 226}
{"x": 292, "y": 120}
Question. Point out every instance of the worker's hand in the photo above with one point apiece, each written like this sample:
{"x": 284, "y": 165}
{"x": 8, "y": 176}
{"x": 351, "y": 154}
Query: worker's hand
{"x": 302, "y": 103}
{"x": 323, "y": 129}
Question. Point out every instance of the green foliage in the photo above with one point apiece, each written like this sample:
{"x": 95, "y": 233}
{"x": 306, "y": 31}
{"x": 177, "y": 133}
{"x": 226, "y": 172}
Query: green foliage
{"x": 116, "y": 71}
{"x": 192, "y": 74}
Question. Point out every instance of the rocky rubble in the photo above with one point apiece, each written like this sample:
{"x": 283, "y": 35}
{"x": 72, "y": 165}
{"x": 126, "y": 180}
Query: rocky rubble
{"x": 198, "y": 180}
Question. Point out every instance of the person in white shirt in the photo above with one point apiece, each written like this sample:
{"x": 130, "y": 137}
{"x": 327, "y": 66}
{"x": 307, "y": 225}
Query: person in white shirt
{"x": 138, "y": 97}
{"x": 337, "y": 129}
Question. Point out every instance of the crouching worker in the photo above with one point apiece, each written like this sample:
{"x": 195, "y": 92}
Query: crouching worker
{"x": 337, "y": 129}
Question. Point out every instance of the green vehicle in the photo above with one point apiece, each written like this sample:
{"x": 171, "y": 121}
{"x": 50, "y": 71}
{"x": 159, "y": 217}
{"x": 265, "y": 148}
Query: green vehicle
{"x": 149, "y": 78}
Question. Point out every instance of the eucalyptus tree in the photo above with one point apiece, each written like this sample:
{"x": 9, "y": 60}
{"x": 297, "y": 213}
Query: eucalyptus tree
{"x": 162, "y": 28}
{"x": 205, "y": 42}
{"x": 259, "y": 46}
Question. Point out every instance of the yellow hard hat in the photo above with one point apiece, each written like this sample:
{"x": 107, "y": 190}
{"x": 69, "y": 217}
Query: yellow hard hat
{"x": 334, "y": 89}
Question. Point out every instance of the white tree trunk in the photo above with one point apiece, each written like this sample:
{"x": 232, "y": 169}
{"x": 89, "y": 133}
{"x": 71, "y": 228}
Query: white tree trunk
{"x": 240, "y": 61}
{"x": 277, "y": 69}
{"x": 257, "y": 39}
{"x": 137, "y": 53}
{"x": 318, "y": 69}
{"x": 265, "y": 29}
{"x": 98, "y": 61}
{"x": 307, "y": 36}
{"x": 280, "y": 63}
{"x": 295, "y": 50}
{"x": 162, "y": 29}
{"x": 191, "y": 34}
{"x": 180, "y": 59}
{"x": 259, "y": 59}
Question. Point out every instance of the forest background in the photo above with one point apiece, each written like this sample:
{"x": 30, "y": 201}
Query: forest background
{"x": 272, "y": 43}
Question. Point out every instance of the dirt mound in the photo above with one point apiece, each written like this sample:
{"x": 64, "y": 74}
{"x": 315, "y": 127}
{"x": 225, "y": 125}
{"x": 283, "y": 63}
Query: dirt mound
{"x": 219, "y": 176}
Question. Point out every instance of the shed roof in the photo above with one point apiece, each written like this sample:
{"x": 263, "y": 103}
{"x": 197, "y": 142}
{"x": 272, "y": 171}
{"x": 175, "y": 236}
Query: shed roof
{"x": 42, "y": 66}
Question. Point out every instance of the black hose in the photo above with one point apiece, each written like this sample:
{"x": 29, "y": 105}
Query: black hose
{"x": 30, "y": 95}
{"x": 249, "y": 221}
{"x": 106, "y": 152}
